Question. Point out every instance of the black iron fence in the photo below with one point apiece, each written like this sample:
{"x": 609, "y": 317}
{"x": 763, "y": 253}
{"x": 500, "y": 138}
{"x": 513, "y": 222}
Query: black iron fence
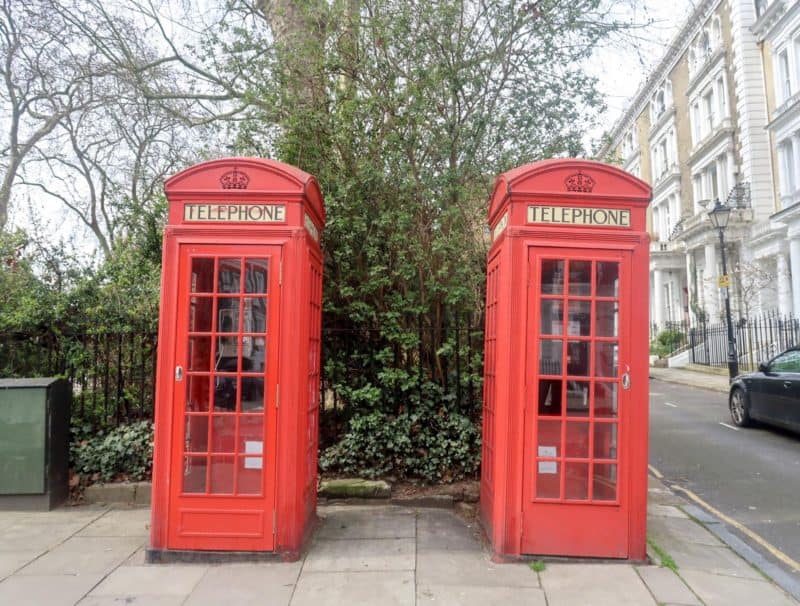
{"x": 757, "y": 340}
{"x": 112, "y": 373}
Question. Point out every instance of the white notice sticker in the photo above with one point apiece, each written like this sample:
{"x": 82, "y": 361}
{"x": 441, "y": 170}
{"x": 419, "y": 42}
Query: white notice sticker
{"x": 253, "y": 447}
{"x": 548, "y": 467}
{"x": 253, "y": 463}
{"x": 547, "y": 451}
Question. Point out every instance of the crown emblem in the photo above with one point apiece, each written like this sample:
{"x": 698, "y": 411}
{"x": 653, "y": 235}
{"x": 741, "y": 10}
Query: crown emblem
{"x": 579, "y": 182}
{"x": 234, "y": 180}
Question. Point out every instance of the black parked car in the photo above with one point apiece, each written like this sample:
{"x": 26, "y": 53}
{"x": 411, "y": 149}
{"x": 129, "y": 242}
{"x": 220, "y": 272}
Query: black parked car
{"x": 770, "y": 395}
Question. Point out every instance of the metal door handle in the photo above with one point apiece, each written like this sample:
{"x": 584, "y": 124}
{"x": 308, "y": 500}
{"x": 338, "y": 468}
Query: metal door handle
{"x": 626, "y": 381}
{"x": 179, "y": 373}
{"x": 787, "y": 384}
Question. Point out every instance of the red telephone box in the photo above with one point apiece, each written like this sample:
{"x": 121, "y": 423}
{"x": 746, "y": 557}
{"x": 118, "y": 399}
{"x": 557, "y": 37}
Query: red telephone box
{"x": 237, "y": 395}
{"x": 566, "y": 369}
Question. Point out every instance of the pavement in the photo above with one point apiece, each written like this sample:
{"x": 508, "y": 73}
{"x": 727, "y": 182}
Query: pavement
{"x": 365, "y": 555}
{"x": 692, "y": 378}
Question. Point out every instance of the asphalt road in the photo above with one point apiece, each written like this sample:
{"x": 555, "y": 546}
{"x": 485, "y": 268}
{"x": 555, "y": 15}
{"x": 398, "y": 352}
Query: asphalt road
{"x": 752, "y": 474}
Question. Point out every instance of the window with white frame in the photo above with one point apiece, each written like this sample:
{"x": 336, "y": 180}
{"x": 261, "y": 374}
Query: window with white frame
{"x": 784, "y": 77}
{"x": 788, "y": 179}
{"x": 697, "y": 190}
{"x": 761, "y": 6}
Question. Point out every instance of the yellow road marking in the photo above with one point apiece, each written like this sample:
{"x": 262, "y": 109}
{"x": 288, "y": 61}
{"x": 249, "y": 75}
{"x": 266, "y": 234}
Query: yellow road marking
{"x": 776, "y": 553}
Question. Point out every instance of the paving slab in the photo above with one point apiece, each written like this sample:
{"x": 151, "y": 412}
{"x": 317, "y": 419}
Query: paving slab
{"x": 147, "y": 600}
{"x": 367, "y": 523}
{"x": 667, "y": 587}
{"x": 265, "y": 584}
{"x": 81, "y": 555}
{"x": 656, "y": 510}
{"x": 134, "y": 522}
{"x": 361, "y": 555}
{"x": 471, "y": 568}
{"x": 452, "y": 595}
{"x": 46, "y": 590}
{"x": 141, "y": 581}
{"x": 443, "y": 531}
{"x": 607, "y": 584}
{"x": 11, "y": 561}
{"x": 718, "y": 560}
{"x": 719, "y": 590}
{"x": 355, "y": 589}
{"x": 683, "y": 530}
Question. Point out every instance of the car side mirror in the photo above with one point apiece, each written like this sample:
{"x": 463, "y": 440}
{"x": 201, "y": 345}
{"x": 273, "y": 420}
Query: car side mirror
{"x": 763, "y": 367}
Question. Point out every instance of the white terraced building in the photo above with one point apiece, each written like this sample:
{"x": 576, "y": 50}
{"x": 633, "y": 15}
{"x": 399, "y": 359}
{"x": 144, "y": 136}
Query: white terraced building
{"x": 719, "y": 119}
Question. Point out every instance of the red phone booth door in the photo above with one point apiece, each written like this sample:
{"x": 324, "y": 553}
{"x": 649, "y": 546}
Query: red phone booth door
{"x": 575, "y": 501}
{"x": 222, "y": 489}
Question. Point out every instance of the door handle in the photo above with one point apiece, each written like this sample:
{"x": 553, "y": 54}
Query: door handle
{"x": 787, "y": 384}
{"x": 626, "y": 378}
{"x": 179, "y": 373}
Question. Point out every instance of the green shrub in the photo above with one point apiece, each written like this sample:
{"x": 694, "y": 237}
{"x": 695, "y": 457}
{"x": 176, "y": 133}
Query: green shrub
{"x": 666, "y": 342}
{"x": 124, "y": 452}
{"x": 434, "y": 444}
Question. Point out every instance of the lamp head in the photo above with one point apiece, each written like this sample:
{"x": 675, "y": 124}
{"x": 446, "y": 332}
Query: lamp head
{"x": 719, "y": 215}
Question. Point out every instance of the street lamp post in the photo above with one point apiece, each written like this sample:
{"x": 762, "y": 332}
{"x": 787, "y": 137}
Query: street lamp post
{"x": 719, "y": 216}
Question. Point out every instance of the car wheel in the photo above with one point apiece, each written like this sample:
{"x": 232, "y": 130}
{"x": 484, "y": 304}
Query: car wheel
{"x": 740, "y": 408}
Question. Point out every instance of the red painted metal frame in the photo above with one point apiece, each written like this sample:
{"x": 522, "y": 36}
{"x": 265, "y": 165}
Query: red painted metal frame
{"x": 288, "y": 506}
{"x": 515, "y": 521}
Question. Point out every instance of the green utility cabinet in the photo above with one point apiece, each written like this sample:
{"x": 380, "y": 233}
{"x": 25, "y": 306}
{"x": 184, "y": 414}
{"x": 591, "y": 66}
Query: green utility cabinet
{"x": 34, "y": 442}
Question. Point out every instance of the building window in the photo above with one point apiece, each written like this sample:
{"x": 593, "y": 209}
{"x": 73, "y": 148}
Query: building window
{"x": 761, "y": 6}
{"x": 723, "y": 111}
{"x": 709, "y": 110}
{"x": 784, "y": 78}
{"x": 788, "y": 180}
{"x": 705, "y": 45}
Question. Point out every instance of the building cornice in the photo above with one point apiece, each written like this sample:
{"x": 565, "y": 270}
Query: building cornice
{"x": 672, "y": 174}
{"x": 785, "y": 112}
{"x": 711, "y": 141}
{"x": 675, "y": 51}
{"x": 768, "y": 22}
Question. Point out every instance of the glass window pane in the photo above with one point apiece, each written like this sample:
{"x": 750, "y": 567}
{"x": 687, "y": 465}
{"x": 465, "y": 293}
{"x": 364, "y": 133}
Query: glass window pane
{"x": 606, "y": 359}
{"x": 577, "y": 440}
{"x": 548, "y": 480}
{"x": 229, "y": 277}
{"x": 223, "y": 433}
{"x": 550, "y": 356}
{"x": 254, "y": 352}
{"x": 228, "y": 314}
{"x": 552, "y": 317}
{"x": 227, "y": 354}
{"x": 548, "y": 439}
{"x": 578, "y": 358}
{"x": 550, "y": 397}
{"x": 251, "y": 434}
{"x": 221, "y": 475}
{"x": 194, "y": 474}
{"x": 576, "y": 481}
{"x": 196, "y": 436}
{"x": 197, "y": 393}
{"x": 249, "y": 480}
{"x": 580, "y": 318}
{"x": 607, "y": 279}
{"x": 552, "y": 277}
{"x": 255, "y": 315}
{"x": 607, "y": 319}
{"x": 199, "y": 354}
{"x": 580, "y": 278}
{"x": 200, "y": 313}
{"x": 605, "y": 441}
{"x": 252, "y": 394}
{"x": 605, "y": 400}
{"x": 577, "y": 398}
{"x": 225, "y": 389}
{"x": 202, "y": 274}
{"x": 604, "y": 485}
{"x": 256, "y": 276}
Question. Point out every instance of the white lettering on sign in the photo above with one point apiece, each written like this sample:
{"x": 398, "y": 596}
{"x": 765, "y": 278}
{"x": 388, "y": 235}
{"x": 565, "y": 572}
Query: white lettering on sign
{"x": 311, "y": 227}
{"x": 501, "y": 226}
{"x": 572, "y": 215}
{"x": 235, "y": 213}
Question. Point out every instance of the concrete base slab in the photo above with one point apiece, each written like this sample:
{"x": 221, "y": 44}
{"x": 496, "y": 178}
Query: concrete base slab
{"x": 607, "y": 584}
{"x": 442, "y": 531}
{"x": 246, "y": 585}
{"x": 452, "y": 595}
{"x": 84, "y": 555}
{"x": 471, "y": 568}
{"x": 718, "y": 590}
{"x": 361, "y": 523}
{"x": 140, "y": 581}
{"x": 46, "y": 590}
{"x": 355, "y": 589}
{"x": 667, "y": 587}
{"x": 361, "y": 555}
